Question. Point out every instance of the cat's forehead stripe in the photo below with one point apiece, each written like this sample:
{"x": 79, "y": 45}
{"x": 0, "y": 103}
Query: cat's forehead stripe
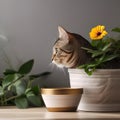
{"x": 59, "y": 42}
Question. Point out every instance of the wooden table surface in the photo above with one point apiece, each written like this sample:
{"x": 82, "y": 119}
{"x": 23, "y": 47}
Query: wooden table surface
{"x": 13, "y": 113}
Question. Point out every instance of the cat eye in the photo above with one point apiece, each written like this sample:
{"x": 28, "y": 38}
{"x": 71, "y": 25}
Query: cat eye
{"x": 65, "y": 51}
{"x": 58, "y": 51}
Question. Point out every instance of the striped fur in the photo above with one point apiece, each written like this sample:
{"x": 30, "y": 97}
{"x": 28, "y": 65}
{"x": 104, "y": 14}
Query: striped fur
{"x": 67, "y": 49}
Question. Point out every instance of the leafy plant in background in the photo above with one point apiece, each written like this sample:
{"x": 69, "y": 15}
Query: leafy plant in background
{"x": 16, "y": 87}
{"x": 104, "y": 52}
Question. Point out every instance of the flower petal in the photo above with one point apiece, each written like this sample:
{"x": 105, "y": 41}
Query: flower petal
{"x": 97, "y": 32}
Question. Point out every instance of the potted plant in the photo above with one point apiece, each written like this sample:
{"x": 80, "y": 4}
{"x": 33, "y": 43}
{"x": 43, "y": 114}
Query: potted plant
{"x": 16, "y": 87}
{"x": 100, "y": 77}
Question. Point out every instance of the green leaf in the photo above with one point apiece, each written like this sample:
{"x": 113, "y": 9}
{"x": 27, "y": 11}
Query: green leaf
{"x": 9, "y": 79}
{"x": 20, "y": 87}
{"x": 88, "y": 50}
{"x": 35, "y": 100}
{"x": 116, "y": 29}
{"x": 36, "y": 90}
{"x": 21, "y": 102}
{"x": 28, "y": 90}
{"x": 9, "y": 71}
{"x": 110, "y": 57}
{"x": 96, "y": 43}
{"x": 89, "y": 71}
{"x": 90, "y": 67}
{"x": 97, "y": 53}
{"x": 106, "y": 47}
{"x": 26, "y": 67}
{"x": 39, "y": 75}
{"x": 30, "y": 93}
{"x": 12, "y": 89}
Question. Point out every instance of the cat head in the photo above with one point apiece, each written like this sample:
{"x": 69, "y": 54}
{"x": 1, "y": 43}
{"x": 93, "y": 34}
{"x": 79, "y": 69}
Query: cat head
{"x": 67, "y": 50}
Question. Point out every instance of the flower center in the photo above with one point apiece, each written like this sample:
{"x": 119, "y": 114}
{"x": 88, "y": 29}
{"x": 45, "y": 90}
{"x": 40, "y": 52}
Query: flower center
{"x": 99, "y": 33}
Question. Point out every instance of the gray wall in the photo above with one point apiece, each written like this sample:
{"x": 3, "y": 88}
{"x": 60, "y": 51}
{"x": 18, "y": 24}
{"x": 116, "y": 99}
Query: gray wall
{"x": 31, "y": 28}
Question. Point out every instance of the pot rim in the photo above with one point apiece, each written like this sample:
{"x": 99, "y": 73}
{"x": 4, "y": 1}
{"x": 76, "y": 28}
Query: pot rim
{"x": 60, "y": 91}
{"x": 114, "y": 72}
{"x": 70, "y": 69}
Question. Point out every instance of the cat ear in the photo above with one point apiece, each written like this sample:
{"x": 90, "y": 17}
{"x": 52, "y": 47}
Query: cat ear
{"x": 63, "y": 33}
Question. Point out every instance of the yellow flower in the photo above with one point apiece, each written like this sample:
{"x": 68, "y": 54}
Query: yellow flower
{"x": 97, "y": 32}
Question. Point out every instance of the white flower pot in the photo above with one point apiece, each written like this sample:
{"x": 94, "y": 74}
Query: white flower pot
{"x": 101, "y": 90}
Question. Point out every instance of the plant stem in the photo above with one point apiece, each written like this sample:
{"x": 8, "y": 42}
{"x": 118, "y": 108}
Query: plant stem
{"x": 29, "y": 83}
{"x": 15, "y": 81}
{"x": 13, "y": 97}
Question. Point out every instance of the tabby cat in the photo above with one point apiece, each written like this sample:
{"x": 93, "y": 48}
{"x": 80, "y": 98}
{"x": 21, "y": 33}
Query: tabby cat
{"x": 67, "y": 49}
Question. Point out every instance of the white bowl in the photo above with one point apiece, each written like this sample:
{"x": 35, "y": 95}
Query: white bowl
{"x": 61, "y": 99}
